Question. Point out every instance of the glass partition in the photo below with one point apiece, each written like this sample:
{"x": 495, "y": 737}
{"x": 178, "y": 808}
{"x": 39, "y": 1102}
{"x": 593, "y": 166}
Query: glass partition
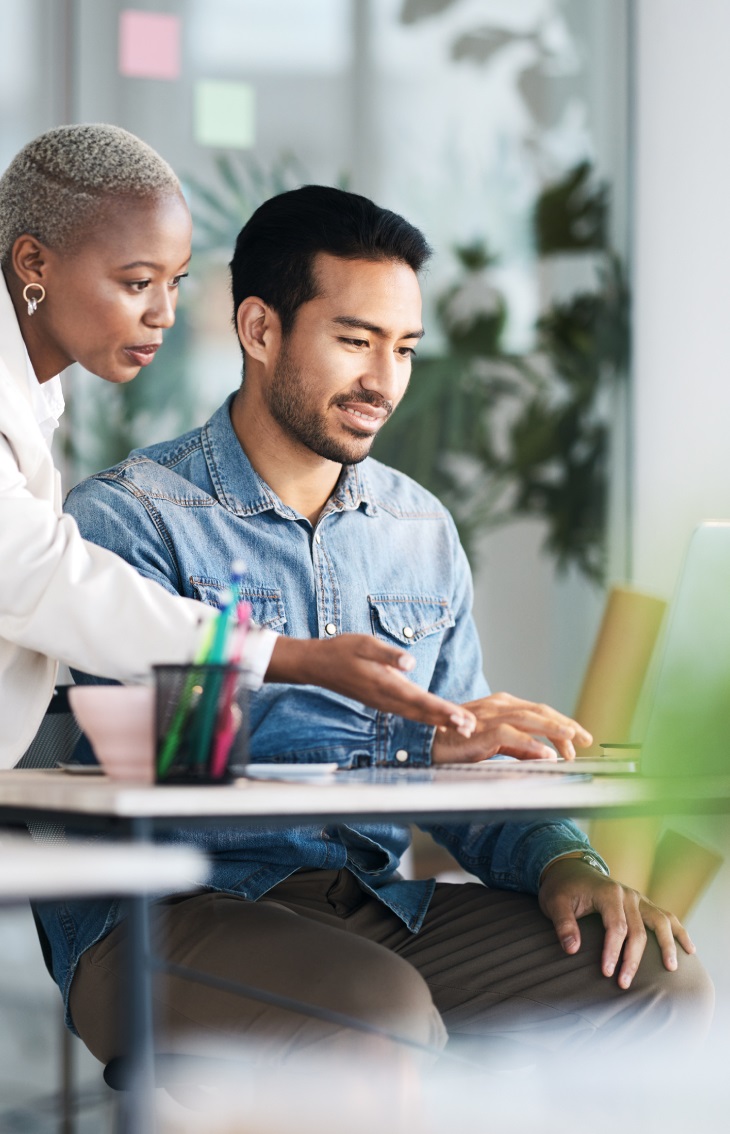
{"x": 498, "y": 126}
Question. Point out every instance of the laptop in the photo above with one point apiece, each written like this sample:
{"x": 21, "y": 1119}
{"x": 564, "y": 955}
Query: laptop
{"x": 687, "y": 707}
{"x": 684, "y": 709}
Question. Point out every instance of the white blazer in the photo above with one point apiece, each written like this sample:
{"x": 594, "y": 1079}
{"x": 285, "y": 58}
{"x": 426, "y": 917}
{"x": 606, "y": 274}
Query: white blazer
{"x": 61, "y": 597}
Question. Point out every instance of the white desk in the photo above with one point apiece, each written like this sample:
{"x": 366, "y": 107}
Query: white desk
{"x": 408, "y": 794}
{"x": 37, "y": 870}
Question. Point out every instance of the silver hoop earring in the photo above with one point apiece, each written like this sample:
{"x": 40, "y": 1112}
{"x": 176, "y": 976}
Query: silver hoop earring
{"x": 33, "y": 300}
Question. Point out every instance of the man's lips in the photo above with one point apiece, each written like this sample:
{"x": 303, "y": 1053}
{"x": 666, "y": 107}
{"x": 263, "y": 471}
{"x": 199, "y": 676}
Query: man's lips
{"x": 144, "y": 353}
{"x": 363, "y": 416}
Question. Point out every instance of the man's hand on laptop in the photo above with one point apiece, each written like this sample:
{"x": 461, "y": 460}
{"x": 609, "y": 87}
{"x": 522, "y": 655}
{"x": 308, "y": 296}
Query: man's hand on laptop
{"x": 368, "y": 670}
{"x": 570, "y": 889}
{"x": 514, "y": 727}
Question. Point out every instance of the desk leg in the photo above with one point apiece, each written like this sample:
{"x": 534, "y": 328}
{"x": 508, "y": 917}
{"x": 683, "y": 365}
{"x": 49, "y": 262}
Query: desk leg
{"x": 138, "y": 1103}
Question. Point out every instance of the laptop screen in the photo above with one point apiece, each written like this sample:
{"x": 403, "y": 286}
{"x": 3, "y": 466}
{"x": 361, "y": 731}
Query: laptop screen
{"x": 688, "y": 729}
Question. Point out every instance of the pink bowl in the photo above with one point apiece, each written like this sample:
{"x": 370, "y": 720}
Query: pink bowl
{"x": 119, "y": 721}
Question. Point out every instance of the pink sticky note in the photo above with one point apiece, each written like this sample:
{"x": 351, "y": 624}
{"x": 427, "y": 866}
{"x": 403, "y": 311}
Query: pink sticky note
{"x": 149, "y": 45}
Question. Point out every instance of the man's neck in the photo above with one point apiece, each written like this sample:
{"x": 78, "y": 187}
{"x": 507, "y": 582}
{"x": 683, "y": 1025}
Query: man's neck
{"x": 301, "y": 479}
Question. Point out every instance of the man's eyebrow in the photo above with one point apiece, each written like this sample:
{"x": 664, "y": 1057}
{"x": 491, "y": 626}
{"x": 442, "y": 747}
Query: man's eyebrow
{"x": 363, "y": 325}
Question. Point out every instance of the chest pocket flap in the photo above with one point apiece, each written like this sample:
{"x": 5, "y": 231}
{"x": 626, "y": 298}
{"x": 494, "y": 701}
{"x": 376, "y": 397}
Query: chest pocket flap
{"x": 267, "y": 607}
{"x": 409, "y": 618}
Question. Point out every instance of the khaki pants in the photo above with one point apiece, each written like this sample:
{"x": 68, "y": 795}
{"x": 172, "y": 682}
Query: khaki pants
{"x": 485, "y": 972}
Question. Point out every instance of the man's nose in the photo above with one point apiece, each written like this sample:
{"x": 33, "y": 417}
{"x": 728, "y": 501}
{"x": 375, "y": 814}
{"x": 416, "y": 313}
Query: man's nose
{"x": 385, "y": 375}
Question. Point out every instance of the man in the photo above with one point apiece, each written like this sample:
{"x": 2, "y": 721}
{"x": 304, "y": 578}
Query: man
{"x": 328, "y": 313}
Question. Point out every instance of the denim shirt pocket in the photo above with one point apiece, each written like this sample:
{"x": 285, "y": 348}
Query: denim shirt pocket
{"x": 416, "y": 622}
{"x": 267, "y": 606}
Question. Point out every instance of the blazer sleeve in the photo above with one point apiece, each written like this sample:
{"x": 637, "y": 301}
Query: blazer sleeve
{"x": 69, "y": 599}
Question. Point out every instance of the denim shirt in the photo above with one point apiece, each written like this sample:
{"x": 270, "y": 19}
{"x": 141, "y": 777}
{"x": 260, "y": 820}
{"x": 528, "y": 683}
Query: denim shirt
{"x": 384, "y": 559}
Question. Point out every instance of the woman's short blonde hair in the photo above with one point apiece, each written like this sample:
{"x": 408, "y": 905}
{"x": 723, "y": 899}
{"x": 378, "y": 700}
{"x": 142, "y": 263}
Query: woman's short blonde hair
{"x": 61, "y": 181}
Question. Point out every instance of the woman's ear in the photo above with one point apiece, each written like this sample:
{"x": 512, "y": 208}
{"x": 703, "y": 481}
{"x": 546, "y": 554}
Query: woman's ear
{"x": 259, "y": 330}
{"x": 29, "y": 259}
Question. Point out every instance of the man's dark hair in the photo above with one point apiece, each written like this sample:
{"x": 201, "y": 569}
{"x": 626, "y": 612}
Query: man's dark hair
{"x": 276, "y": 248}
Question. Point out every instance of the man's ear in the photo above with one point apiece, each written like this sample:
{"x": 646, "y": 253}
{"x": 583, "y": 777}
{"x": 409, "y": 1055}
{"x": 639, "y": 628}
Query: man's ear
{"x": 259, "y": 329}
{"x": 29, "y": 260}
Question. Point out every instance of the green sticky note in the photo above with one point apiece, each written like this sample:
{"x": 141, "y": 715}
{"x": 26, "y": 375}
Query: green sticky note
{"x": 224, "y": 114}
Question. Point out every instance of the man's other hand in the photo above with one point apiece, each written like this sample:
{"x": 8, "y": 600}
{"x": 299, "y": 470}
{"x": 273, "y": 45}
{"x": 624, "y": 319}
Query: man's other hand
{"x": 369, "y": 671}
{"x": 570, "y": 889}
{"x": 511, "y": 726}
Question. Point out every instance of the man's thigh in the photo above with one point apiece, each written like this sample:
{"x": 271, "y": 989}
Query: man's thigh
{"x": 303, "y": 954}
{"x": 497, "y": 972}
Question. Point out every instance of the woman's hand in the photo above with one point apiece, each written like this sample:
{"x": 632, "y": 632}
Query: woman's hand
{"x": 366, "y": 670}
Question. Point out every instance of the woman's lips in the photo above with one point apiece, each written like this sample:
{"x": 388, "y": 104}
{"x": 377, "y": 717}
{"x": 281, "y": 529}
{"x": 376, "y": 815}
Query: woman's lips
{"x": 143, "y": 355}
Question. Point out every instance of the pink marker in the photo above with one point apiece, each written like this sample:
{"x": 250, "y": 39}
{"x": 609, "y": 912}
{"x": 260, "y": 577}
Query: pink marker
{"x": 227, "y": 725}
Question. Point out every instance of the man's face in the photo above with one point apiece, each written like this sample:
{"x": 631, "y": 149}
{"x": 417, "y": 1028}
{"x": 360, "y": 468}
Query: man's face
{"x": 345, "y": 365}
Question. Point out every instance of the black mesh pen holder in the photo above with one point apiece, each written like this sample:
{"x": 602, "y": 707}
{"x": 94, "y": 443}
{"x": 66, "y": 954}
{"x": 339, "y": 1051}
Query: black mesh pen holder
{"x": 201, "y": 723}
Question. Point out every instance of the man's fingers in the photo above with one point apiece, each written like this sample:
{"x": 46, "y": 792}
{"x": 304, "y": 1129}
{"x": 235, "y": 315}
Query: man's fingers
{"x": 513, "y": 742}
{"x": 566, "y": 926}
{"x": 668, "y": 930}
{"x": 539, "y": 725}
{"x": 565, "y": 748}
{"x": 530, "y": 717}
{"x": 660, "y": 923}
{"x": 682, "y": 935}
{"x": 634, "y": 945}
{"x": 616, "y": 926}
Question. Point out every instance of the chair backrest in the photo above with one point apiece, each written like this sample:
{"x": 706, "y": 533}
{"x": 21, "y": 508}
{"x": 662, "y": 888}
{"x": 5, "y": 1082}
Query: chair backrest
{"x": 618, "y": 666}
{"x": 55, "y": 740}
{"x": 57, "y": 737}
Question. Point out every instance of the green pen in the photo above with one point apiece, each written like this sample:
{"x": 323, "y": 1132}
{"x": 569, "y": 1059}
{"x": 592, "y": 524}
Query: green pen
{"x": 207, "y": 707}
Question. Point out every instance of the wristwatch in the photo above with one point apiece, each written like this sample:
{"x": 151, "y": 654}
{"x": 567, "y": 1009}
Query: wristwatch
{"x": 586, "y": 856}
{"x": 590, "y": 859}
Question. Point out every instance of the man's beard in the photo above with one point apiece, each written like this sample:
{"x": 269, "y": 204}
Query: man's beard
{"x": 286, "y": 401}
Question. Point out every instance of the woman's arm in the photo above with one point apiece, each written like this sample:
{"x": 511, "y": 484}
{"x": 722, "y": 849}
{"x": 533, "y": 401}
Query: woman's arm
{"x": 366, "y": 670}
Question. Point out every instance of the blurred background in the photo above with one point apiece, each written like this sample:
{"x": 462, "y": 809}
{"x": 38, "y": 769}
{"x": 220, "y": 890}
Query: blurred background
{"x": 499, "y": 128}
{"x": 567, "y": 161}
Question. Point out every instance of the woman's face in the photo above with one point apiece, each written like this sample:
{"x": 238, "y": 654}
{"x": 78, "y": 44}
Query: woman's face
{"x": 110, "y": 299}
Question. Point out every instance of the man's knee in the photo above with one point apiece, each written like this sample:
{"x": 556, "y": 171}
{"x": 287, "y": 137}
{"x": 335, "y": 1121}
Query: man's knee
{"x": 682, "y": 1000}
{"x": 660, "y": 1003}
{"x": 393, "y": 997}
{"x": 337, "y": 973}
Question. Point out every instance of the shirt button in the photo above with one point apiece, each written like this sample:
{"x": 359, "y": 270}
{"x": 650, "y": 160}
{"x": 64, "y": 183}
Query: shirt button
{"x": 330, "y": 628}
{"x": 407, "y": 631}
{"x": 317, "y": 537}
{"x": 401, "y": 756}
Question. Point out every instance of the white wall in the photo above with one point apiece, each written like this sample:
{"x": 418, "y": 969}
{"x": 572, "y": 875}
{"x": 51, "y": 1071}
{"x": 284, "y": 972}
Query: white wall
{"x": 681, "y": 280}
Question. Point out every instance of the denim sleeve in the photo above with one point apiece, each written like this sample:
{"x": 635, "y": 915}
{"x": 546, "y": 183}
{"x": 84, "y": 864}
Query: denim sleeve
{"x": 110, "y": 514}
{"x": 509, "y": 856}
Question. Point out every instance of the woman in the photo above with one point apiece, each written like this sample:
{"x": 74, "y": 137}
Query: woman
{"x": 94, "y": 241}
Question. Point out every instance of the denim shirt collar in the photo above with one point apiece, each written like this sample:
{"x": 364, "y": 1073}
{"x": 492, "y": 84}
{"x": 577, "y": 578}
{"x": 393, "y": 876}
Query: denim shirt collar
{"x": 240, "y": 488}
